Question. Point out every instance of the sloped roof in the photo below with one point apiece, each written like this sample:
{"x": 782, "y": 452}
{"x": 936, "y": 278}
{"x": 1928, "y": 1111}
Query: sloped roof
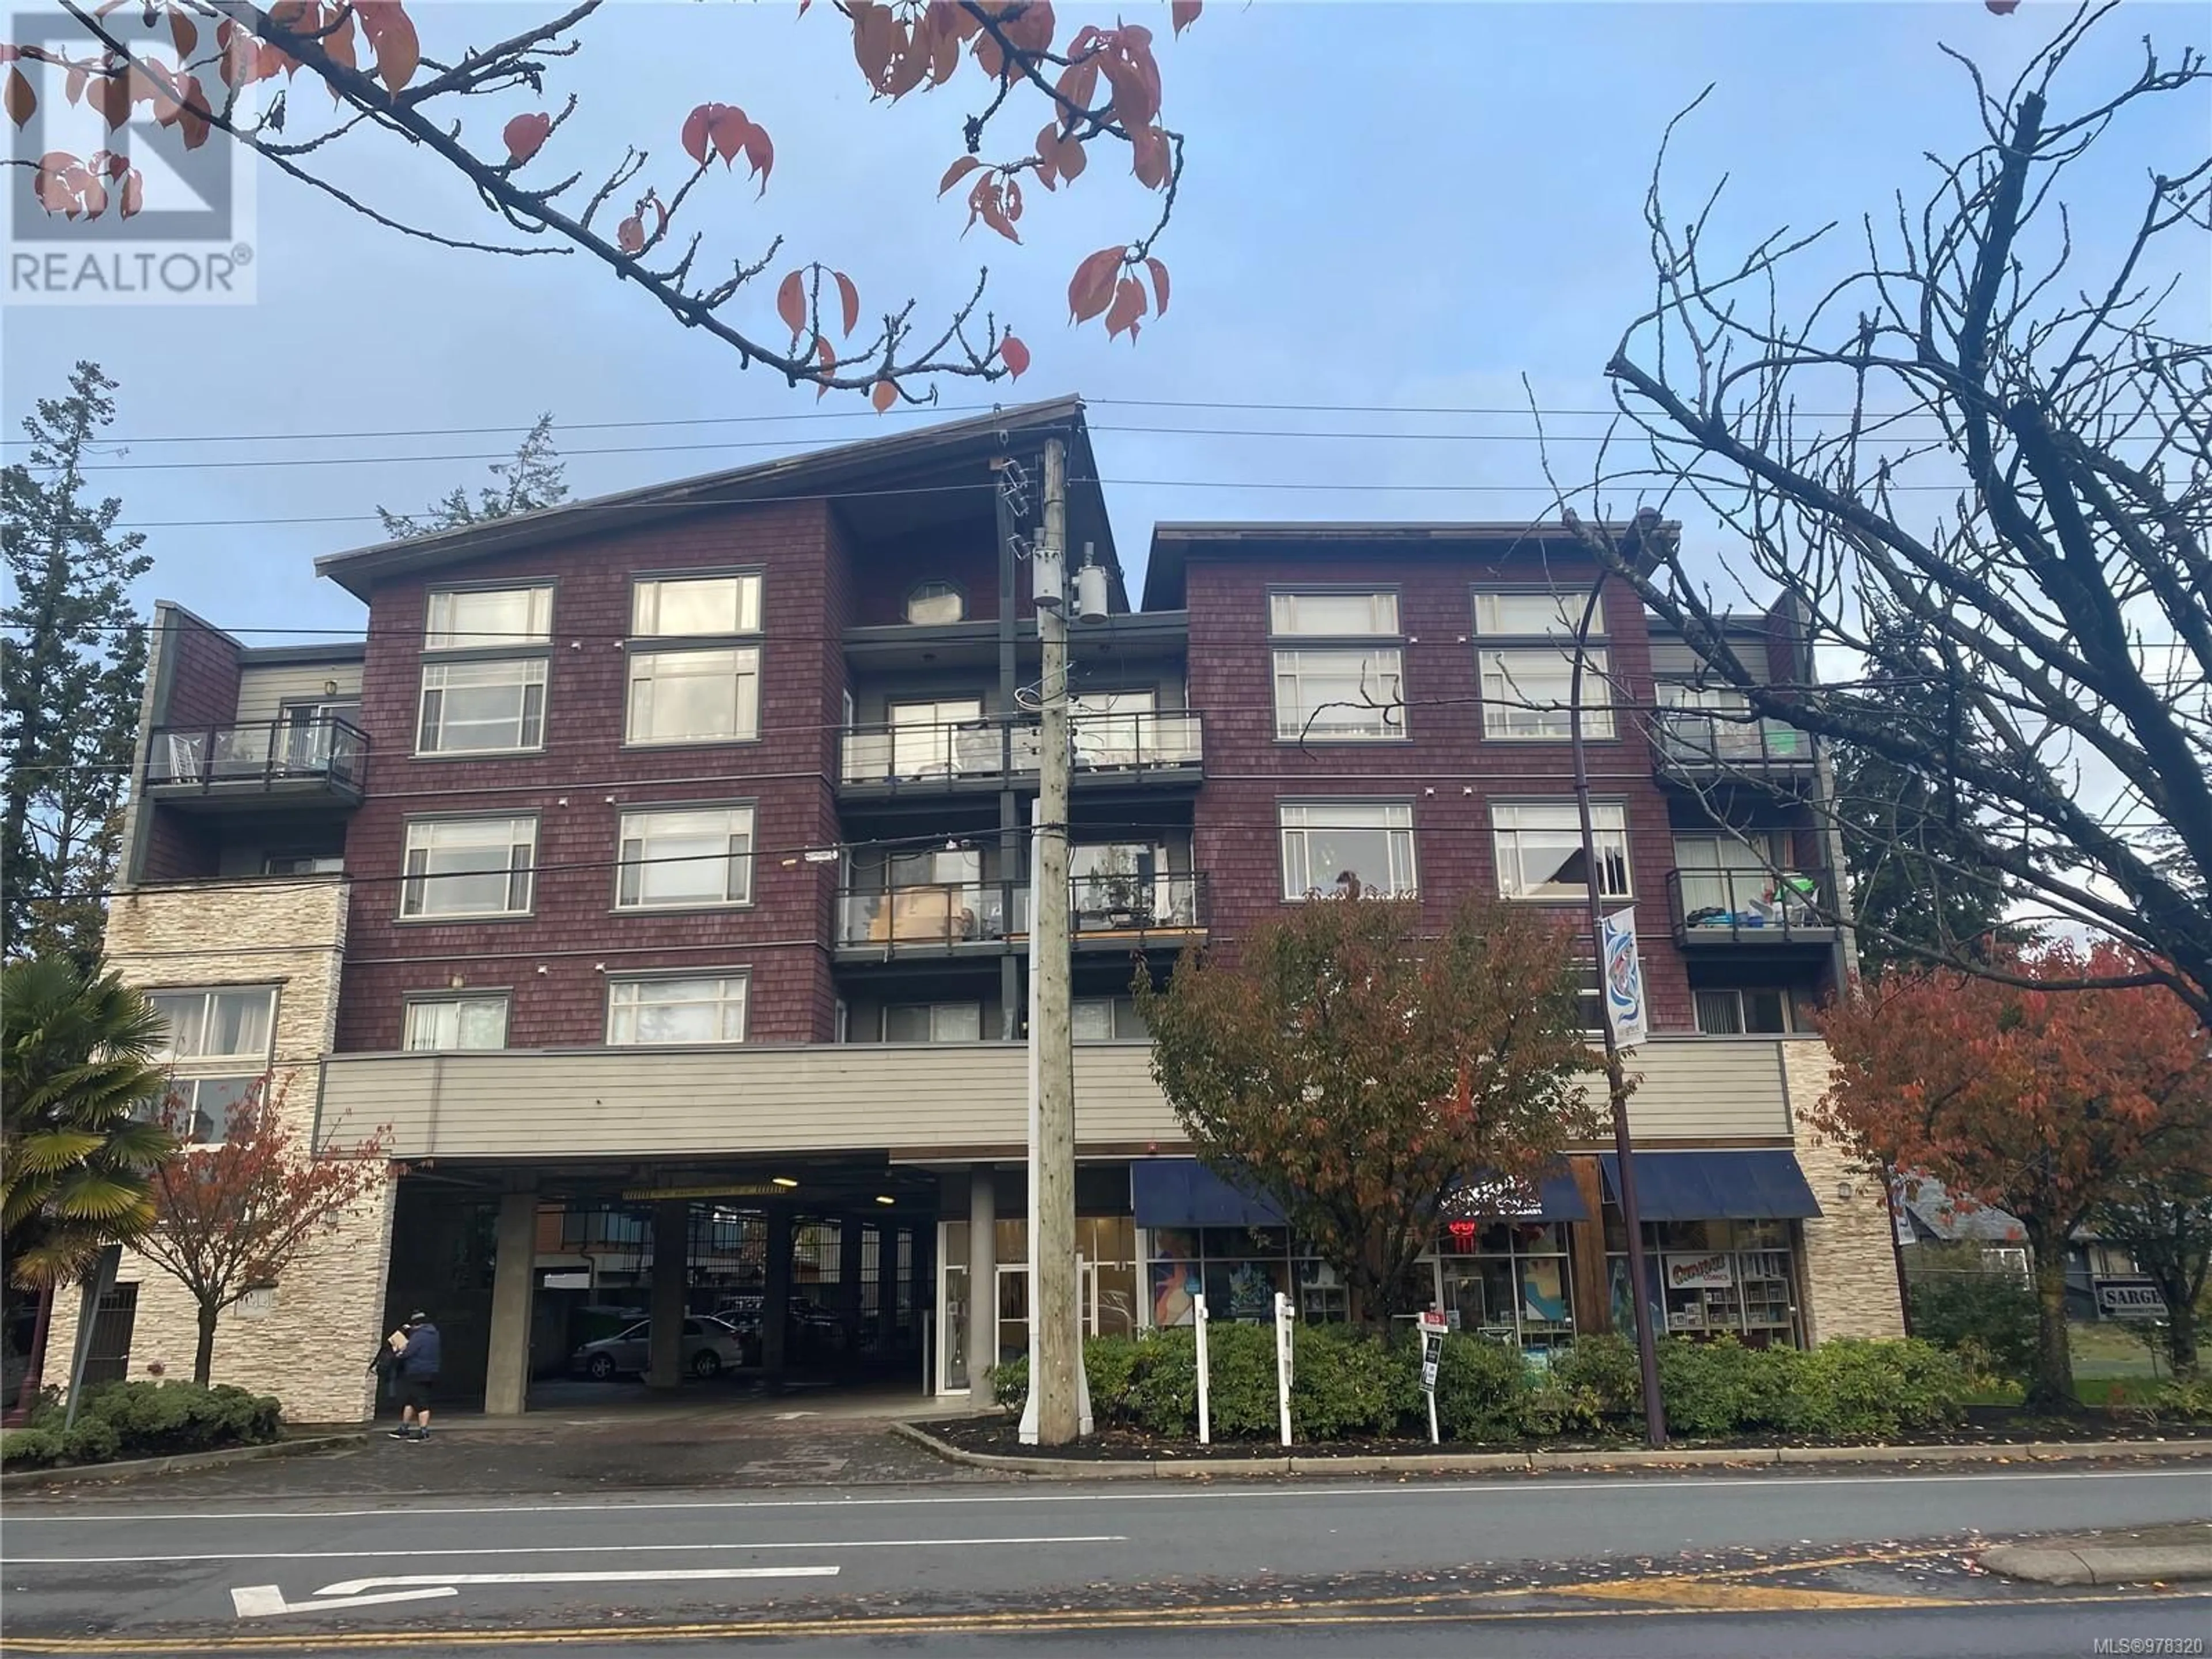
{"x": 1933, "y": 1209}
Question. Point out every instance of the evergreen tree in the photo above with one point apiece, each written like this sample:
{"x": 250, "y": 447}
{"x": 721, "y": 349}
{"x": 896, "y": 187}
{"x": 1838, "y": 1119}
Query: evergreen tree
{"x": 72, "y": 668}
{"x": 534, "y": 478}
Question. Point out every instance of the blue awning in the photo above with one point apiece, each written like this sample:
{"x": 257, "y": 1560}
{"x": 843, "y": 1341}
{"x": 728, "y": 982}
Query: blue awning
{"x": 1181, "y": 1191}
{"x": 1557, "y": 1199}
{"x": 1761, "y": 1184}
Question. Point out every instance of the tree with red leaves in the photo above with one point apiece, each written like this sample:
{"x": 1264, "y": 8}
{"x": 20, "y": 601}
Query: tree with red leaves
{"x": 229, "y": 67}
{"x": 1366, "y": 1076}
{"x": 2044, "y": 1103}
{"x": 231, "y": 1217}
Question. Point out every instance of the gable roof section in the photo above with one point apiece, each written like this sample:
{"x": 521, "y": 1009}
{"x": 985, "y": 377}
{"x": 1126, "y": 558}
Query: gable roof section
{"x": 909, "y": 456}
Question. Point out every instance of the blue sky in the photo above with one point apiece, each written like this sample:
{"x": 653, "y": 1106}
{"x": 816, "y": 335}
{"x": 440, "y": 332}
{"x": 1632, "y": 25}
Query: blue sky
{"x": 1407, "y": 206}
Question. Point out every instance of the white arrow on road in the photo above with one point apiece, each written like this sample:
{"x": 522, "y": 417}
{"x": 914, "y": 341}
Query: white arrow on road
{"x": 263, "y": 1601}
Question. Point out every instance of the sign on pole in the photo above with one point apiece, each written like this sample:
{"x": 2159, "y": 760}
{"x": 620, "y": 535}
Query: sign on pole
{"x": 1283, "y": 1362}
{"x": 1623, "y": 980}
{"x": 1434, "y": 1324}
{"x": 97, "y": 1284}
{"x": 1204, "y": 1386}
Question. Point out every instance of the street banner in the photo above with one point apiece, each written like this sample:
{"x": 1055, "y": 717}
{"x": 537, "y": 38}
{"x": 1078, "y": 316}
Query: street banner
{"x": 1623, "y": 976}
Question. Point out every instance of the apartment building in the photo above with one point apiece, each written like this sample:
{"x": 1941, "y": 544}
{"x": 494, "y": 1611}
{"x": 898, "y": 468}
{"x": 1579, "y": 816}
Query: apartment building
{"x": 653, "y": 880}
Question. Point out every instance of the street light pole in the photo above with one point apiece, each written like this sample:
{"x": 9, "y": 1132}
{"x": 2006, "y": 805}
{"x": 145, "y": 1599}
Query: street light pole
{"x": 1616, "y": 1080}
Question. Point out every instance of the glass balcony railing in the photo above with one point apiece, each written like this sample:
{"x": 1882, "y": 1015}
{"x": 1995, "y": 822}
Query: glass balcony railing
{"x": 943, "y": 754}
{"x": 1118, "y": 905}
{"x": 944, "y": 915}
{"x": 1751, "y": 907}
{"x": 1703, "y": 741}
{"x": 273, "y": 755}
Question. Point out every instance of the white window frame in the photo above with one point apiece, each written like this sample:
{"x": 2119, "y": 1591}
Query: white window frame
{"x": 1609, "y": 825}
{"x": 203, "y": 1057}
{"x": 1376, "y": 714}
{"x": 421, "y": 1010}
{"x": 1297, "y": 820}
{"x": 447, "y": 628}
{"x": 936, "y": 1012}
{"x": 523, "y": 674}
{"x": 935, "y": 591}
{"x": 1502, "y": 613}
{"x": 623, "y": 1009}
{"x": 1285, "y": 622}
{"x": 423, "y": 835}
{"x": 646, "y": 604}
{"x": 634, "y": 872}
{"x": 744, "y": 673}
{"x": 1516, "y": 707}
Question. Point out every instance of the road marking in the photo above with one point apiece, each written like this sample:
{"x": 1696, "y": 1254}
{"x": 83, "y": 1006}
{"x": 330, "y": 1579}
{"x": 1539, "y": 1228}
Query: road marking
{"x": 551, "y": 1549}
{"x": 266, "y": 1600}
{"x": 1521, "y": 1487}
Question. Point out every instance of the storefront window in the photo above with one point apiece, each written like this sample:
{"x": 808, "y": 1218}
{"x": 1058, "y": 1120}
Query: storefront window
{"x": 1238, "y": 1270}
{"x": 1507, "y": 1280}
{"x": 1708, "y": 1277}
{"x": 1107, "y": 1245}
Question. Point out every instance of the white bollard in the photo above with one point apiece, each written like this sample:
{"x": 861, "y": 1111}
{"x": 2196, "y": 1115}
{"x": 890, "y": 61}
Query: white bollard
{"x": 1283, "y": 1362}
{"x": 1205, "y": 1392}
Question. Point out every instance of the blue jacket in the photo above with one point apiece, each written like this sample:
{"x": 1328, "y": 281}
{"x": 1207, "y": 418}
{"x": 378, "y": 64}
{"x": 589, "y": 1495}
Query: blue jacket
{"x": 420, "y": 1356}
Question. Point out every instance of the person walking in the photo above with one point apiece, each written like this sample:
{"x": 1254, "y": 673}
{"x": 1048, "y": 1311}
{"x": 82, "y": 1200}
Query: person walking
{"x": 417, "y": 1345}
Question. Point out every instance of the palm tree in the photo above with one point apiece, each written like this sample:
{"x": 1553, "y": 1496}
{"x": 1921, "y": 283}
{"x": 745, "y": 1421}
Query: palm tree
{"x": 79, "y": 1152}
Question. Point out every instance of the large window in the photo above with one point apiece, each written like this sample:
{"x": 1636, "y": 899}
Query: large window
{"x": 1540, "y": 851}
{"x": 1757, "y": 1011}
{"x": 673, "y": 606}
{"x": 693, "y": 696}
{"x": 1358, "y": 847}
{"x": 489, "y": 618}
{"x": 216, "y": 1042}
{"x": 1105, "y": 1019}
{"x": 682, "y": 858}
{"x": 710, "y": 1008}
{"x": 1526, "y": 662}
{"x": 1709, "y": 1276}
{"x": 933, "y": 1022}
{"x": 1339, "y": 688}
{"x": 453, "y": 1023}
{"x": 1507, "y": 1280}
{"x": 469, "y": 867}
{"x": 476, "y": 707}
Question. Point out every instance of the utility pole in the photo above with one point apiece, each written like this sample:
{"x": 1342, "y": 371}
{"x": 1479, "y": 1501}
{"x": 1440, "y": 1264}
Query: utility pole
{"x": 1055, "y": 1303}
{"x": 1616, "y": 1078}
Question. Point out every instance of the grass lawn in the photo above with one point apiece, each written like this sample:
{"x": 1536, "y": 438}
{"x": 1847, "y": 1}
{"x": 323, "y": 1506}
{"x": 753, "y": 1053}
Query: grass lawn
{"x": 2106, "y": 1355}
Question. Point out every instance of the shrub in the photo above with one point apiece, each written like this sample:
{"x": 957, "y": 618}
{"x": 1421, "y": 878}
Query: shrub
{"x": 91, "y": 1441}
{"x": 2184, "y": 1403}
{"x": 1601, "y": 1368}
{"x": 1010, "y": 1383}
{"x": 1864, "y": 1388}
{"x": 1481, "y": 1387}
{"x": 1346, "y": 1383}
{"x": 1109, "y": 1365}
{"x": 30, "y": 1449}
{"x": 1987, "y": 1319}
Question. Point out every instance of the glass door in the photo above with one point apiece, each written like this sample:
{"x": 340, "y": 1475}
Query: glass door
{"x": 1111, "y": 728}
{"x": 922, "y": 736}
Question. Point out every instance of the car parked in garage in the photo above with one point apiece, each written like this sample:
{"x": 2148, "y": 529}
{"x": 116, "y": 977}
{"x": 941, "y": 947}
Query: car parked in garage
{"x": 709, "y": 1348}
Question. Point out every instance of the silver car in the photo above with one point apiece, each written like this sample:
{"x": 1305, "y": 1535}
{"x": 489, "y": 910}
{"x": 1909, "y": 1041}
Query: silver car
{"x": 709, "y": 1346}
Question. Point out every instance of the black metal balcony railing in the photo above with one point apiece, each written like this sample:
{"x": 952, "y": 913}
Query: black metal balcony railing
{"x": 946, "y": 915}
{"x": 1751, "y": 907}
{"x": 273, "y": 754}
{"x": 1700, "y": 741}
{"x": 949, "y": 752}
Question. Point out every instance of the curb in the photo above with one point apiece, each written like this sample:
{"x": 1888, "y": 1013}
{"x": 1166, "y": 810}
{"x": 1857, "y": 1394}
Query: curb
{"x": 137, "y": 1468}
{"x": 2108, "y": 1566}
{"x": 1443, "y": 1462}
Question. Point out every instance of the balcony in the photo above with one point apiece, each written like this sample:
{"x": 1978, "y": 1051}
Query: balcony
{"x": 1164, "y": 746}
{"x": 1703, "y": 746}
{"x": 299, "y": 763}
{"x": 953, "y": 918}
{"x": 1751, "y": 909}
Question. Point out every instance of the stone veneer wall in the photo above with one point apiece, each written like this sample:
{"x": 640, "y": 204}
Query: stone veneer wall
{"x": 1850, "y": 1263}
{"x": 310, "y": 1345}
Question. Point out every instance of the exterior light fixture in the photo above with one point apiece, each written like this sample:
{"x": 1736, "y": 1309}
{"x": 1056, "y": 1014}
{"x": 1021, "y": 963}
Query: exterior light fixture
{"x": 885, "y": 1197}
{"x": 784, "y": 1181}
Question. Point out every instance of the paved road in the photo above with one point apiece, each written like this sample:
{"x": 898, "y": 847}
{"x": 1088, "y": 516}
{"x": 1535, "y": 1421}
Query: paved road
{"x": 951, "y": 1563}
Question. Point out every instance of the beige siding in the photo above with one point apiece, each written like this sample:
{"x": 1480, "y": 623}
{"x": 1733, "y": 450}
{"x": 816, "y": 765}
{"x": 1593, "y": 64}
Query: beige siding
{"x": 898, "y": 1097}
{"x": 263, "y": 692}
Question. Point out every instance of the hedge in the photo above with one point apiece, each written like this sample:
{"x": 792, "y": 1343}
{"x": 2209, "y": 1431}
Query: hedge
{"x": 1347, "y": 1385}
{"x": 144, "y": 1420}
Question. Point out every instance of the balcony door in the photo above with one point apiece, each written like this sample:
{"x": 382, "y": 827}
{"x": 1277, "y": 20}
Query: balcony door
{"x": 308, "y": 732}
{"x": 1112, "y": 728}
{"x": 922, "y": 736}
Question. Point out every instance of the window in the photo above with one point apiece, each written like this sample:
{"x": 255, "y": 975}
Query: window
{"x": 1116, "y": 728}
{"x": 472, "y": 707}
{"x": 489, "y": 618}
{"x": 1327, "y": 846}
{"x": 679, "y": 858}
{"x": 1104, "y": 1019}
{"x": 469, "y": 867}
{"x": 1724, "y": 875}
{"x": 203, "y": 1109}
{"x": 933, "y": 1022}
{"x": 1332, "y": 615}
{"x": 925, "y": 742}
{"x": 1354, "y": 695}
{"x": 1527, "y": 694}
{"x": 1528, "y": 684}
{"x": 671, "y": 606}
{"x": 1590, "y": 1002}
{"x": 1540, "y": 852}
{"x": 709, "y": 1009}
{"x": 217, "y": 1024}
{"x": 450, "y": 1022}
{"x": 936, "y": 602}
{"x": 693, "y": 696}
{"x": 304, "y": 864}
{"x": 1763, "y": 1010}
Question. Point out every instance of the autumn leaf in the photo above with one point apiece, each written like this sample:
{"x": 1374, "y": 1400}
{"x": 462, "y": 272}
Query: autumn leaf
{"x": 760, "y": 154}
{"x": 1077, "y": 87}
{"x": 1159, "y": 286}
{"x": 1183, "y": 13}
{"x": 392, "y": 37}
{"x": 20, "y": 100}
{"x": 629, "y": 236}
{"x": 1014, "y": 355}
{"x": 1092, "y": 289}
{"x": 134, "y": 193}
{"x": 111, "y": 96}
{"x": 525, "y": 136}
{"x": 959, "y": 170}
{"x": 726, "y": 127}
{"x": 1149, "y": 156}
{"x": 883, "y": 396}
{"x": 849, "y": 297}
{"x": 1129, "y": 306}
{"x": 184, "y": 32}
{"x": 828, "y": 360}
{"x": 695, "y": 132}
{"x": 791, "y": 304}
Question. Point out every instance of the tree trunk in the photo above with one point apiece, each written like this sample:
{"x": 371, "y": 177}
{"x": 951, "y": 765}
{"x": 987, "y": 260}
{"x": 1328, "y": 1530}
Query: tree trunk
{"x": 203, "y": 1355}
{"x": 2181, "y": 1338}
{"x": 2051, "y": 1389}
{"x": 34, "y": 1374}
